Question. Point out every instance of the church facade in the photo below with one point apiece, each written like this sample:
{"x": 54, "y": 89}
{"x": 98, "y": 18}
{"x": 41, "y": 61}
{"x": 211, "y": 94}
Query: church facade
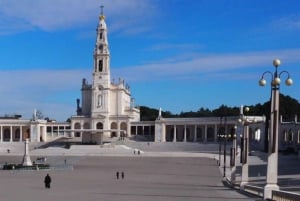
{"x": 106, "y": 105}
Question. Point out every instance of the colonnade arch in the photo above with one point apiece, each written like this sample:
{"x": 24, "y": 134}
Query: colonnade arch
{"x": 210, "y": 134}
{"x": 124, "y": 127}
{"x": 6, "y": 135}
{"x": 14, "y": 133}
{"x": 99, "y": 125}
{"x": 113, "y": 126}
{"x": 77, "y": 126}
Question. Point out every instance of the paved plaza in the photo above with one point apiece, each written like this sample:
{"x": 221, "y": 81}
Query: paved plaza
{"x": 94, "y": 178}
{"x": 169, "y": 171}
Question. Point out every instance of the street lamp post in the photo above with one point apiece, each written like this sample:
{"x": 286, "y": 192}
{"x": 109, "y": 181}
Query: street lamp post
{"x": 233, "y": 155}
{"x": 245, "y": 146}
{"x": 245, "y": 122}
{"x": 225, "y": 142}
{"x": 272, "y": 168}
{"x": 219, "y": 138}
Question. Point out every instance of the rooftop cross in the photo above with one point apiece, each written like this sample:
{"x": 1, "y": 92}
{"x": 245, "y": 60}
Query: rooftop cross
{"x": 101, "y": 9}
{"x": 102, "y": 15}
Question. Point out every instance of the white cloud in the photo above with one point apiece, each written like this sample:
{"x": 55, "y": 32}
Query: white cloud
{"x": 207, "y": 64}
{"x": 288, "y": 22}
{"x": 52, "y": 91}
{"x": 19, "y": 16}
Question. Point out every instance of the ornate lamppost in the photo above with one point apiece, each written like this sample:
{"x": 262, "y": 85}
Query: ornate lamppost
{"x": 244, "y": 146}
{"x": 233, "y": 154}
{"x": 225, "y": 142}
{"x": 220, "y": 135}
{"x": 245, "y": 121}
{"x": 272, "y": 168}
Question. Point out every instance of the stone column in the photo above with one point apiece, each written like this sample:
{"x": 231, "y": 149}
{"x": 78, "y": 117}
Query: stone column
{"x": 216, "y": 133}
{"x": 184, "y": 137}
{"x": 143, "y": 130}
{"x": 205, "y": 133}
{"x": 26, "y": 158}
{"x": 21, "y": 134}
{"x": 1, "y": 133}
{"x": 163, "y": 132}
{"x": 195, "y": 133}
{"x": 174, "y": 136}
{"x": 11, "y": 134}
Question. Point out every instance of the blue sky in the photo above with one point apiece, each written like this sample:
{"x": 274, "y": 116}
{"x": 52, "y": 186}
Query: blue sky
{"x": 179, "y": 55}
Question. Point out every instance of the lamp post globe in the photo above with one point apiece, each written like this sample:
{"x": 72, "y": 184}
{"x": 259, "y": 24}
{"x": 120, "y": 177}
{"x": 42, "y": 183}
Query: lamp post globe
{"x": 247, "y": 109}
{"x": 276, "y": 62}
{"x": 262, "y": 82}
{"x": 276, "y": 81}
{"x": 289, "y": 82}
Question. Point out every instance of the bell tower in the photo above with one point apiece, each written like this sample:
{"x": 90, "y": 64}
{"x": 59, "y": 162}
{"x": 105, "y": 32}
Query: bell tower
{"x": 101, "y": 72}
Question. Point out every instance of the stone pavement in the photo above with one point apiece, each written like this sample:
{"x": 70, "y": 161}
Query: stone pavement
{"x": 149, "y": 176}
{"x": 146, "y": 179}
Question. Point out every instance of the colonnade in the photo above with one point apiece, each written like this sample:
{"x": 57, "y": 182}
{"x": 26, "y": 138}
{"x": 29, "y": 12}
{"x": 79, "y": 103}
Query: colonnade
{"x": 13, "y": 133}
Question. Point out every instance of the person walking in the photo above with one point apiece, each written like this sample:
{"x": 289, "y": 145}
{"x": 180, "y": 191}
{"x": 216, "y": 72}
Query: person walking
{"x": 47, "y": 181}
{"x": 117, "y": 174}
{"x": 122, "y": 175}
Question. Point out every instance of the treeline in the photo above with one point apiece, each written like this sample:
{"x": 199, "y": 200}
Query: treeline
{"x": 289, "y": 107}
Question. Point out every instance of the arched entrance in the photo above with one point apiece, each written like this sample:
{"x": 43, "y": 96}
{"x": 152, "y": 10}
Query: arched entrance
{"x": 210, "y": 134}
{"x": 6, "y": 135}
{"x": 87, "y": 136}
{"x": 123, "y": 128}
{"x": 77, "y": 126}
{"x": 17, "y": 135}
{"x": 189, "y": 138}
{"x": 199, "y": 136}
{"x": 113, "y": 126}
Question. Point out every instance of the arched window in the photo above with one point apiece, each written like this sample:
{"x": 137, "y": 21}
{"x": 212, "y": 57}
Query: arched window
{"x": 290, "y": 136}
{"x": 100, "y": 65}
{"x": 99, "y": 125}
{"x": 77, "y": 126}
{"x": 99, "y": 101}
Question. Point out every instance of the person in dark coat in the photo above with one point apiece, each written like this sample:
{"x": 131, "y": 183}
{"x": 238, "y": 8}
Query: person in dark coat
{"x": 117, "y": 174}
{"x": 122, "y": 175}
{"x": 47, "y": 181}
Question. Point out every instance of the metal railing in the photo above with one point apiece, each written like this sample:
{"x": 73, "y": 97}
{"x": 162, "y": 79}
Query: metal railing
{"x": 285, "y": 196}
{"x": 276, "y": 195}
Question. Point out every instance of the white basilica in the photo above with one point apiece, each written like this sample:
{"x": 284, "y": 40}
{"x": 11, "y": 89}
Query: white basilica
{"x": 107, "y": 110}
{"x": 105, "y": 105}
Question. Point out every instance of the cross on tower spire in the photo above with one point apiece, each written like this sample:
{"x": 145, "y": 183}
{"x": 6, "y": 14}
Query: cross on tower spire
{"x": 101, "y": 9}
{"x": 102, "y": 17}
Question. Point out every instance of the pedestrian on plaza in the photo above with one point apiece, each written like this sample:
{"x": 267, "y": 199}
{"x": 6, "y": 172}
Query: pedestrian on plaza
{"x": 117, "y": 174}
{"x": 122, "y": 175}
{"x": 47, "y": 181}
